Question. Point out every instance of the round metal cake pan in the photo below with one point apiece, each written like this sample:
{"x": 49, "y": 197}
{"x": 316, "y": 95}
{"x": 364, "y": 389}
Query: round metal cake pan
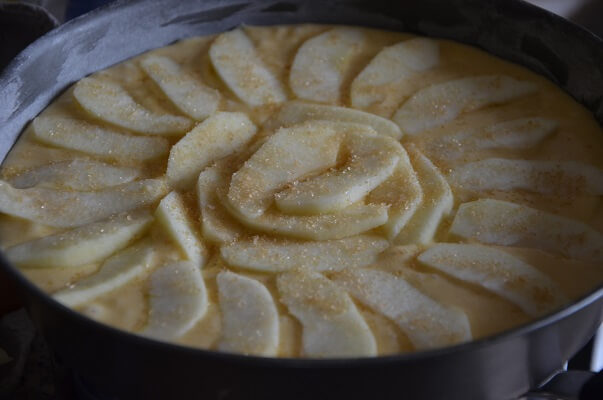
{"x": 119, "y": 365}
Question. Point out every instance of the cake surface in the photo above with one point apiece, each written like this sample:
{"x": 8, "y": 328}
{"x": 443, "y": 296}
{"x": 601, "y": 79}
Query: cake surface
{"x": 309, "y": 191}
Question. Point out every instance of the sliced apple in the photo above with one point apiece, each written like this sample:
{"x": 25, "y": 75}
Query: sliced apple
{"x": 509, "y": 224}
{"x": 436, "y": 204}
{"x": 235, "y": 59}
{"x": 81, "y": 136}
{"x": 109, "y": 102}
{"x": 295, "y": 112}
{"x": 177, "y": 300}
{"x": 120, "y": 269}
{"x": 217, "y": 224}
{"x": 216, "y": 137}
{"x": 520, "y": 133}
{"x": 391, "y": 69}
{"x": 68, "y": 208}
{"x": 192, "y": 97}
{"x": 509, "y": 277}
{"x": 332, "y": 325}
{"x": 566, "y": 178}
{"x": 427, "y": 323}
{"x": 174, "y": 218}
{"x": 322, "y": 63}
{"x": 370, "y": 161}
{"x": 276, "y": 256}
{"x": 402, "y": 193}
{"x": 442, "y": 103}
{"x": 80, "y": 246}
{"x": 78, "y": 174}
{"x": 517, "y": 134}
{"x": 250, "y": 321}
{"x": 350, "y": 221}
{"x": 289, "y": 154}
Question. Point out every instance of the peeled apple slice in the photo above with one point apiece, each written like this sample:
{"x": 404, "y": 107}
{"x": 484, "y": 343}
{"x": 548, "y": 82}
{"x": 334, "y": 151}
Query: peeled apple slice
{"x": 295, "y": 112}
{"x": 509, "y": 224}
{"x": 436, "y": 204}
{"x": 332, "y": 325}
{"x": 276, "y": 256}
{"x": 401, "y": 193}
{"x": 192, "y": 97}
{"x": 350, "y": 221}
{"x": 427, "y": 323}
{"x": 216, "y": 137}
{"x": 520, "y": 133}
{"x": 78, "y": 174}
{"x": 322, "y": 62}
{"x": 546, "y": 177}
{"x": 235, "y": 59}
{"x": 81, "y": 136}
{"x": 289, "y": 154}
{"x": 216, "y": 224}
{"x": 80, "y": 246}
{"x": 173, "y": 217}
{"x": 177, "y": 300}
{"x": 118, "y": 270}
{"x": 391, "y": 68}
{"x": 371, "y": 160}
{"x": 68, "y": 209}
{"x": 442, "y": 103}
{"x": 250, "y": 321}
{"x": 109, "y": 102}
{"x": 520, "y": 283}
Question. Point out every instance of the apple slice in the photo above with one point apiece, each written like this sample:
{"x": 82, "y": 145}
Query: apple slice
{"x": 289, "y": 154}
{"x": 436, "y": 204}
{"x": 517, "y": 134}
{"x": 507, "y": 276}
{"x": 216, "y": 137}
{"x": 509, "y": 224}
{"x": 174, "y": 218}
{"x": 109, "y": 102}
{"x": 268, "y": 255}
{"x": 350, "y": 221}
{"x": 370, "y": 161}
{"x": 217, "y": 225}
{"x": 235, "y": 59}
{"x": 81, "y": 136}
{"x": 78, "y": 174}
{"x": 192, "y": 97}
{"x": 565, "y": 178}
{"x": 68, "y": 209}
{"x": 250, "y": 321}
{"x": 332, "y": 325}
{"x": 389, "y": 70}
{"x": 520, "y": 133}
{"x": 441, "y": 103}
{"x": 177, "y": 300}
{"x": 120, "y": 269}
{"x": 427, "y": 323}
{"x": 80, "y": 246}
{"x": 295, "y": 112}
{"x": 402, "y": 193}
{"x": 322, "y": 63}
